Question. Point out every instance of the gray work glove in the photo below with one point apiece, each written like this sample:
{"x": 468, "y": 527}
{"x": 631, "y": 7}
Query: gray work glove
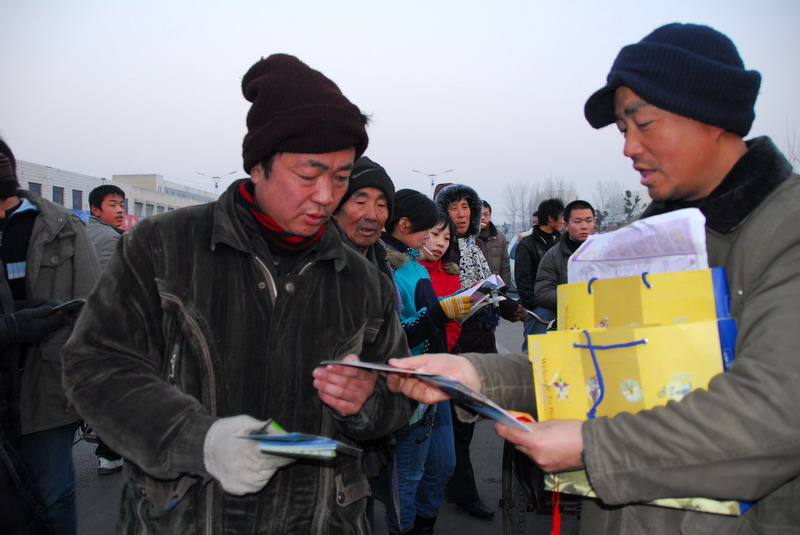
{"x": 237, "y": 463}
{"x": 31, "y": 325}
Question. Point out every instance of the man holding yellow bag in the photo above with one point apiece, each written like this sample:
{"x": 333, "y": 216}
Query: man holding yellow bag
{"x": 684, "y": 102}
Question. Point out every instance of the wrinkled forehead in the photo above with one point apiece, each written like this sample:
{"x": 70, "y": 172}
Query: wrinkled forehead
{"x": 627, "y": 103}
{"x": 463, "y": 201}
{"x": 369, "y": 192}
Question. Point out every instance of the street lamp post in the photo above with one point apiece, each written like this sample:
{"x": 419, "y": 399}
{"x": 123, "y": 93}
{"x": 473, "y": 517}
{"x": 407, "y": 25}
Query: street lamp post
{"x": 432, "y": 177}
{"x": 216, "y": 179}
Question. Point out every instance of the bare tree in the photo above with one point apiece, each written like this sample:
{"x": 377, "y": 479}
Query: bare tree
{"x": 793, "y": 147}
{"x": 551, "y": 187}
{"x": 515, "y": 198}
{"x": 609, "y": 201}
{"x": 522, "y": 198}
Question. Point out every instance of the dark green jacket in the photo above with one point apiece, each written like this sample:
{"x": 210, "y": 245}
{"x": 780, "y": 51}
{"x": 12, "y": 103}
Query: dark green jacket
{"x": 61, "y": 264}
{"x": 552, "y": 271}
{"x": 738, "y": 440}
{"x": 187, "y": 325}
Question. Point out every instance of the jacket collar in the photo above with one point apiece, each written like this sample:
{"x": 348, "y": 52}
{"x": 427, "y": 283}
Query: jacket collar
{"x": 546, "y": 237}
{"x": 228, "y": 229}
{"x": 396, "y": 245}
{"x": 102, "y": 221}
{"x": 488, "y": 232}
{"x": 757, "y": 173}
{"x": 54, "y": 216}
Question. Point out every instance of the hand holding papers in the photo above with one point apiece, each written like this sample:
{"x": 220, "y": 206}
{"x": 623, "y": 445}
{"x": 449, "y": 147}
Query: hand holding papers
{"x": 486, "y": 286}
{"x": 344, "y": 389}
{"x": 481, "y": 294}
{"x": 456, "y": 390}
{"x": 299, "y": 445}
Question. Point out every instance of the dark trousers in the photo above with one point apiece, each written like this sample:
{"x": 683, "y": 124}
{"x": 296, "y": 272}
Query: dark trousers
{"x": 462, "y": 487}
{"x": 48, "y": 456}
{"x": 102, "y": 450}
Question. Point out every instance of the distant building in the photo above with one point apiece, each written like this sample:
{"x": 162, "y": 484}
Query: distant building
{"x": 145, "y": 195}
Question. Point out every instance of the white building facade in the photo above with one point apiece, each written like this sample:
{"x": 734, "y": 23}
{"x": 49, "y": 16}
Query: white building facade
{"x": 145, "y": 195}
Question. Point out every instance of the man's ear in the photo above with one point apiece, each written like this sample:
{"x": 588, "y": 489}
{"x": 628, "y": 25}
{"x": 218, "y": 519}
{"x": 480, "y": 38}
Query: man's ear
{"x": 257, "y": 173}
{"x": 717, "y": 132}
{"x": 95, "y": 211}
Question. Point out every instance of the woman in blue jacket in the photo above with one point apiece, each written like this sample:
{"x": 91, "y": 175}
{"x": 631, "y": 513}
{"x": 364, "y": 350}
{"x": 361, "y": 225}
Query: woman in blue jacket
{"x": 424, "y": 456}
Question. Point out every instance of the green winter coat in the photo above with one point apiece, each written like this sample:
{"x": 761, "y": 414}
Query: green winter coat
{"x": 61, "y": 264}
{"x": 740, "y": 439}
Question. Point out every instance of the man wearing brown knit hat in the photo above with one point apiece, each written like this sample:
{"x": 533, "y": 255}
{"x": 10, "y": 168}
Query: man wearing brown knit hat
{"x": 230, "y": 308}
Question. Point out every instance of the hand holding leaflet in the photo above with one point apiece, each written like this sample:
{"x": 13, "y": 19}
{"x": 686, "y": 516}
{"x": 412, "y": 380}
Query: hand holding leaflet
{"x": 457, "y": 391}
{"x": 239, "y": 466}
{"x": 481, "y": 295}
{"x": 299, "y": 445}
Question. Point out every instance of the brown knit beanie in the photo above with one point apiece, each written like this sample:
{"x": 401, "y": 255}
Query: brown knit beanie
{"x": 297, "y": 109}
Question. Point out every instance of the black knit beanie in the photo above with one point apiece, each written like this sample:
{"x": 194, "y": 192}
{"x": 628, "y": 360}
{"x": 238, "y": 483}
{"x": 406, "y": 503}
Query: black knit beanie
{"x": 8, "y": 176}
{"x": 368, "y": 174}
{"x": 688, "y": 69}
{"x": 297, "y": 109}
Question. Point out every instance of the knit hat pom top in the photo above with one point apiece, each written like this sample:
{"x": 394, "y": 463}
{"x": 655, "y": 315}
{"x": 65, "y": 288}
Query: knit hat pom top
{"x": 688, "y": 69}
{"x": 297, "y": 109}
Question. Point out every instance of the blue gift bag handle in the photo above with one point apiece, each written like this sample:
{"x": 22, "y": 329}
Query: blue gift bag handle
{"x": 600, "y": 383}
{"x": 644, "y": 280}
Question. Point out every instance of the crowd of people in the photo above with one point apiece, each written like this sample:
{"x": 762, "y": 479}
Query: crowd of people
{"x": 231, "y": 306}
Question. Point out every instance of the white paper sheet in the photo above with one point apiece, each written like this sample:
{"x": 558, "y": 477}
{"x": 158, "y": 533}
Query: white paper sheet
{"x": 675, "y": 241}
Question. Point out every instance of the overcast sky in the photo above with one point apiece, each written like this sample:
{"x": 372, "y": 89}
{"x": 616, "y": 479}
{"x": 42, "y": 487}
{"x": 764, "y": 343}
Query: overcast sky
{"x": 491, "y": 89}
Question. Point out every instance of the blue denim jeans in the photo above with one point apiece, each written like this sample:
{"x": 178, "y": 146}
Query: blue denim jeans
{"x": 534, "y": 326}
{"x": 424, "y": 460}
{"x": 48, "y": 456}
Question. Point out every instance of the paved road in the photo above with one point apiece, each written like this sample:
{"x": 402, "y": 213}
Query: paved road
{"x": 98, "y": 496}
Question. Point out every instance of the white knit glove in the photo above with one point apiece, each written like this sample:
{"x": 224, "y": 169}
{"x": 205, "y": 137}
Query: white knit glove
{"x": 237, "y": 463}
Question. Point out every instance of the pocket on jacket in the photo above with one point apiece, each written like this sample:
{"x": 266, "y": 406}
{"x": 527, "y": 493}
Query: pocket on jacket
{"x": 57, "y": 255}
{"x": 161, "y": 495}
{"x": 353, "y": 345}
{"x": 351, "y": 485}
{"x": 371, "y": 329}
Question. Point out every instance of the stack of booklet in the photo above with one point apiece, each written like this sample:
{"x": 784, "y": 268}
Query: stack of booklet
{"x": 299, "y": 445}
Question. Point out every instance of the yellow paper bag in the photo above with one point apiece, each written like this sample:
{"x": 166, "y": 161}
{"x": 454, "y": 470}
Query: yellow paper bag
{"x": 652, "y": 365}
{"x": 649, "y": 299}
{"x": 576, "y": 482}
{"x": 633, "y": 368}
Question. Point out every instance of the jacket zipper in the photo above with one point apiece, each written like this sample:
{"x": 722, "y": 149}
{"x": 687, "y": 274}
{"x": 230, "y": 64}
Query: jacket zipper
{"x": 273, "y": 290}
{"x": 210, "y": 384}
{"x": 173, "y": 361}
{"x": 320, "y": 524}
{"x": 323, "y": 494}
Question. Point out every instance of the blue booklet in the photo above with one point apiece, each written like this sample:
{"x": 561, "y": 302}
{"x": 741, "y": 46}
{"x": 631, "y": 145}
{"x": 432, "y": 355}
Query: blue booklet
{"x": 300, "y": 445}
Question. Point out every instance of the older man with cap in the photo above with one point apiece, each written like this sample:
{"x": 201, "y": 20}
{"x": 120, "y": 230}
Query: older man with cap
{"x": 684, "y": 101}
{"x": 230, "y": 307}
{"x": 364, "y": 209}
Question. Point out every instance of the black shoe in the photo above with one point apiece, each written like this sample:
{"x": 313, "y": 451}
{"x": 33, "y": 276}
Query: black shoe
{"x": 423, "y": 525}
{"x": 477, "y": 509}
